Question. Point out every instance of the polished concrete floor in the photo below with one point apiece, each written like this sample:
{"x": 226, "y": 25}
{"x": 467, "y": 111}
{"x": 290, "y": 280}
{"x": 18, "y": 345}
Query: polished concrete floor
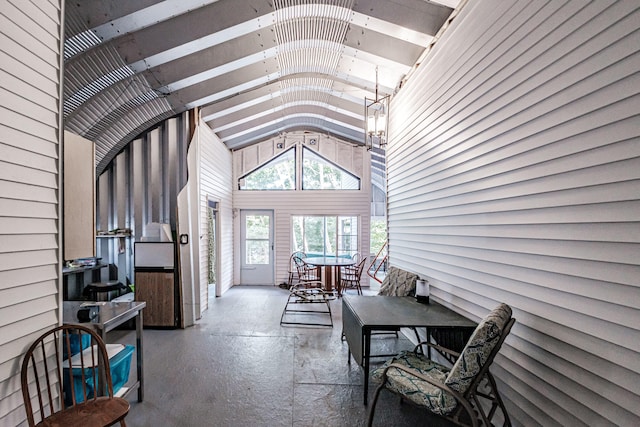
{"x": 239, "y": 367}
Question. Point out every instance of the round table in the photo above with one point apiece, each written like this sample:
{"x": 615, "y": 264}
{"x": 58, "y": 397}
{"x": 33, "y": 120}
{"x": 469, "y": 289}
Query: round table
{"x": 329, "y": 263}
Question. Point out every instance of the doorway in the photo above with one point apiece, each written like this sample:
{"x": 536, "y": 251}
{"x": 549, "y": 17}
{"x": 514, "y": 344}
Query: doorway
{"x": 212, "y": 248}
{"x": 256, "y": 248}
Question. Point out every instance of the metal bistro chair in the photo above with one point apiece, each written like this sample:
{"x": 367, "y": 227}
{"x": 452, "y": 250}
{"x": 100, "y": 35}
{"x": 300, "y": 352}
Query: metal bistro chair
{"x": 349, "y": 269}
{"x": 68, "y": 386}
{"x": 350, "y": 278}
{"x": 306, "y": 273}
{"x": 293, "y": 269}
{"x": 452, "y": 393}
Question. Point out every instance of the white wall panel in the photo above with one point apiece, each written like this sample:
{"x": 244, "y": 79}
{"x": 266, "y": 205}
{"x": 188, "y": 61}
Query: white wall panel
{"x": 29, "y": 187}
{"x": 285, "y": 204}
{"x": 216, "y": 185}
{"x": 513, "y": 175}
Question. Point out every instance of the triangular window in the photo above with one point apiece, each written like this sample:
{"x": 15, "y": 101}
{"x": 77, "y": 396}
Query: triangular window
{"x": 277, "y": 174}
{"x": 319, "y": 173}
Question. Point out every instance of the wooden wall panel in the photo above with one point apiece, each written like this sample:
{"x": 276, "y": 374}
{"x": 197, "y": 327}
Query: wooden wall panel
{"x": 513, "y": 175}
{"x": 79, "y": 197}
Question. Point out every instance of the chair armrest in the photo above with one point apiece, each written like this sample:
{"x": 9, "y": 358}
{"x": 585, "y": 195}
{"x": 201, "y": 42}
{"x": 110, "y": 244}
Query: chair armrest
{"x": 437, "y": 347}
{"x": 461, "y": 399}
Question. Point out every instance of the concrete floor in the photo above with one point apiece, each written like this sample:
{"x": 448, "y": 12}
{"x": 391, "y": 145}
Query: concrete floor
{"x": 239, "y": 367}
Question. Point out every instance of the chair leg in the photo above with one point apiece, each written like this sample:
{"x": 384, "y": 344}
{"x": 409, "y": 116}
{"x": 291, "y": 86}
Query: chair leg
{"x": 373, "y": 404}
{"x": 123, "y": 423}
{"x": 494, "y": 386}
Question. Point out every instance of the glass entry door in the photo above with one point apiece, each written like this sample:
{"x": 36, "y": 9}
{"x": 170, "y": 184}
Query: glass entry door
{"x": 256, "y": 235}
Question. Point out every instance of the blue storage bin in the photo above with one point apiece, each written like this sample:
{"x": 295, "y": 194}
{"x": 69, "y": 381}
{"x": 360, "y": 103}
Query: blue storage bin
{"x": 76, "y": 344}
{"x": 120, "y": 364}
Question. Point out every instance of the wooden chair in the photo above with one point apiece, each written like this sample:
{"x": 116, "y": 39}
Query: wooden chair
{"x": 453, "y": 393}
{"x": 77, "y": 393}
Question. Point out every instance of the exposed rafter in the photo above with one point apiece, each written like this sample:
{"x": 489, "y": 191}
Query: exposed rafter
{"x": 253, "y": 68}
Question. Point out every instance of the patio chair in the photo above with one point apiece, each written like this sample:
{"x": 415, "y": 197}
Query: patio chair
{"x": 350, "y": 278}
{"x": 70, "y": 386}
{"x": 306, "y": 273}
{"x": 349, "y": 269}
{"x": 293, "y": 270}
{"x": 397, "y": 283}
{"x": 453, "y": 393}
{"x": 299, "y": 309}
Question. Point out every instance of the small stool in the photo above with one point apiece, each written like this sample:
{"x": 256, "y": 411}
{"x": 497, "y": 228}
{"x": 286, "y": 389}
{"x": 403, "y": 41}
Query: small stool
{"x": 92, "y": 290}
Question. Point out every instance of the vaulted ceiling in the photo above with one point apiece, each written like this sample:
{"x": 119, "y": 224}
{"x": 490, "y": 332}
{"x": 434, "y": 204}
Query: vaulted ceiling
{"x": 254, "y": 68}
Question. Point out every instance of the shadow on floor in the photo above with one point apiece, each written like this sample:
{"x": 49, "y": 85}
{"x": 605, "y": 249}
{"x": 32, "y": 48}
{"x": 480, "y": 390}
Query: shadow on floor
{"x": 238, "y": 367}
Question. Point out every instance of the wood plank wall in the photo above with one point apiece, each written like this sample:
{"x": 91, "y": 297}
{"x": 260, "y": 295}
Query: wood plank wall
{"x": 30, "y": 141}
{"x": 514, "y": 175}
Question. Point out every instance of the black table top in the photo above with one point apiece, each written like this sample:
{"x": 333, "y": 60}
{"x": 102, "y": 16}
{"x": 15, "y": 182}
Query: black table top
{"x": 379, "y": 311}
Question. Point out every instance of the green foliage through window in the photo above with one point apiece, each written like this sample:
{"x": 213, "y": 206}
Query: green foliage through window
{"x": 320, "y": 174}
{"x": 277, "y": 174}
{"x": 325, "y": 235}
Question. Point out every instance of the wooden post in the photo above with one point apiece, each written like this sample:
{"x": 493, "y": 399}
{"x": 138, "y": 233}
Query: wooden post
{"x": 194, "y": 117}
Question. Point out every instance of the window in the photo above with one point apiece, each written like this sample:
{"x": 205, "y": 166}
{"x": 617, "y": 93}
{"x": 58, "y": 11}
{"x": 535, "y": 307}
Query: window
{"x": 325, "y": 235}
{"x": 277, "y": 174}
{"x": 281, "y": 173}
{"x": 320, "y": 174}
{"x": 257, "y": 239}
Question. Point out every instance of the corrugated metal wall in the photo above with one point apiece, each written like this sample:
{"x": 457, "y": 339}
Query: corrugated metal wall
{"x": 215, "y": 185}
{"x": 514, "y": 175}
{"x": 287, "y": 203}
{"x": 139, "y": 187}
{"x": 30, "y": 102}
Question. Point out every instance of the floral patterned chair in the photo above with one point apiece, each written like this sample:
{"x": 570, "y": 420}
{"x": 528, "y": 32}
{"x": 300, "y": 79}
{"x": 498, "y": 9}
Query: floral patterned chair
{"x": 452, "y": 392}
{"x": 398, "y": 283}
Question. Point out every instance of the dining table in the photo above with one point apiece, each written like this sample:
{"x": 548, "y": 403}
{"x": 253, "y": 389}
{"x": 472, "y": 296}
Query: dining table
{"x": 331, "y": 268}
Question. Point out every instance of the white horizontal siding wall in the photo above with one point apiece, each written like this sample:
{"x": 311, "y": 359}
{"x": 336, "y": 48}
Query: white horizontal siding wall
{"x": 30, "y": 69}
{"x": 215, "y": 184}
{"x": 514, "y": 175}
{"x": 285, "y": 204}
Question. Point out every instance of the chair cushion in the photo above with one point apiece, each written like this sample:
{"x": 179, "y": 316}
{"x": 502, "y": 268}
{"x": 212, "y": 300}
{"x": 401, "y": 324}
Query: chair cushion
{"x": 398, "y": 283}
{"x": 415, "y": 389}
{"x": 475, "y": 353}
